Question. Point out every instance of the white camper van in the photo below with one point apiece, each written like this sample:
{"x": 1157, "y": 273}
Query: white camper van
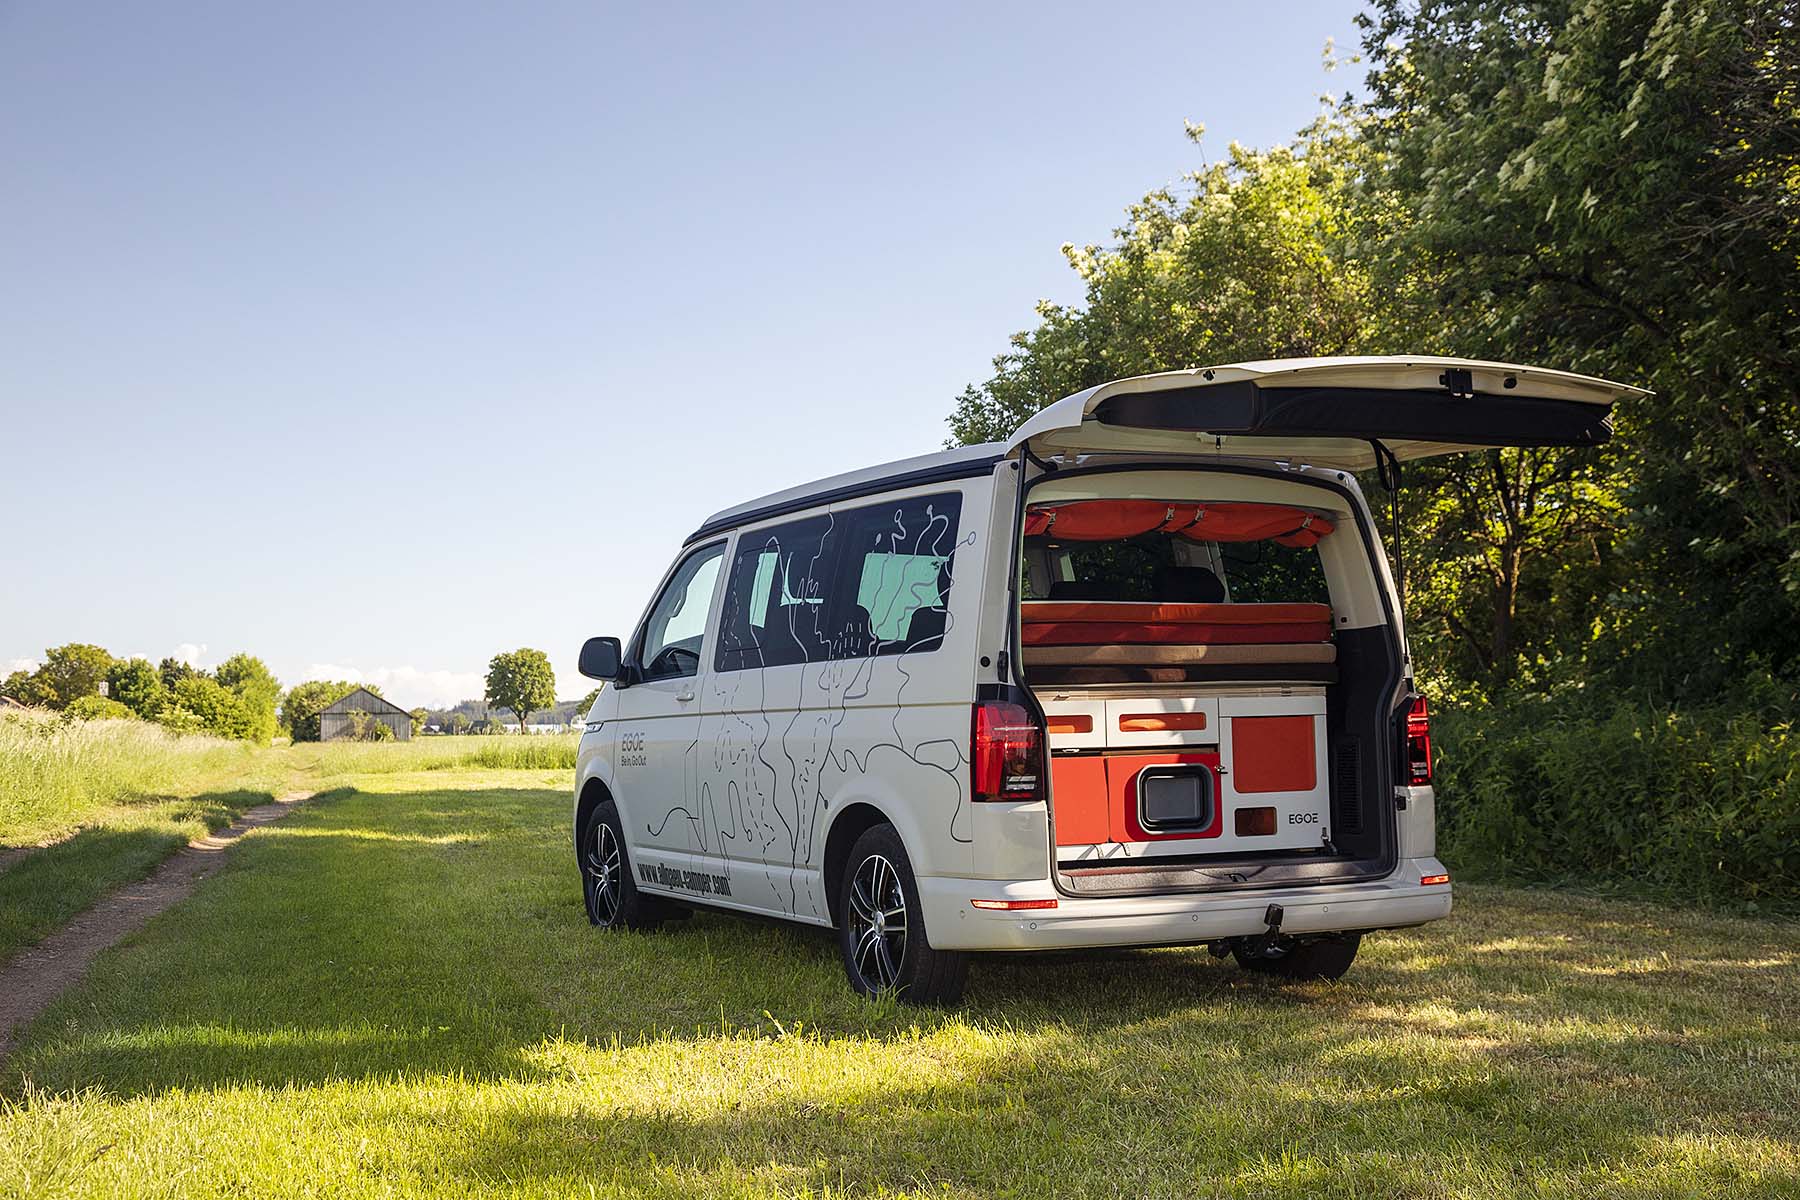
{"x": 1137, "y": 676}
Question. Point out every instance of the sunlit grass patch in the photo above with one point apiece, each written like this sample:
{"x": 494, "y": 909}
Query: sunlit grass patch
{"x": 396, "y": 993}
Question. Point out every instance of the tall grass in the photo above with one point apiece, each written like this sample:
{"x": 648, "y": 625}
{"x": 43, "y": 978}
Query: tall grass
{"x": 551, "y": 752}
{"x": 55, "y": 773}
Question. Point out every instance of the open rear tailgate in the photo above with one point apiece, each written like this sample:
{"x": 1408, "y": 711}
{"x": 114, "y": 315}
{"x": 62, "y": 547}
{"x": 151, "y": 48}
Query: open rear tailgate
{"x": 1329, "y": 411}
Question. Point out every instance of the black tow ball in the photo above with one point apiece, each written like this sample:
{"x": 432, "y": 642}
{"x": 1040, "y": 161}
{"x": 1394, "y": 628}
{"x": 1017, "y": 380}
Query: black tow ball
{"x": 1256, "y": 945}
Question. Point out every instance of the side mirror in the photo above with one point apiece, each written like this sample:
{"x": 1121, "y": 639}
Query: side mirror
{"x": 600, "y": 657}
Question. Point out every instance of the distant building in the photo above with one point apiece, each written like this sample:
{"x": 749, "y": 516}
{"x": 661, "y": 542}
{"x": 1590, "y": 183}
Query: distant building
{"x": 335, "y": 721}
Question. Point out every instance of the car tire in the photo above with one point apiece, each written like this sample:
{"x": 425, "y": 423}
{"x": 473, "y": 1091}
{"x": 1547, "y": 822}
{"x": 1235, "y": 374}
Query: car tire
{"x": 607, "y": 884}
{"x": 1316, "y": 958}
{"x": 881, "y": 927}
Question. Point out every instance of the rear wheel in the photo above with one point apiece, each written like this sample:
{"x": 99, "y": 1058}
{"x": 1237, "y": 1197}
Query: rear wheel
{"x": 881, "y": 927}
{"x": 1325, "y": 957}
{"x": 613, "y": 899}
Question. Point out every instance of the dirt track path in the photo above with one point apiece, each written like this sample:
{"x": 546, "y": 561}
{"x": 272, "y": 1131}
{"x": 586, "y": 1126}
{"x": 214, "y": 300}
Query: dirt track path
{"x": 37, "y": 976}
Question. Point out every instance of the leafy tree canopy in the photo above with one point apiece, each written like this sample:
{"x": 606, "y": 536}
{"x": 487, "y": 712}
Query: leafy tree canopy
{"x": 247, "y": 678}
{"x": 136, "y": 684}
{"x": 521, "y": 680}
{"x": 70, "y": 672}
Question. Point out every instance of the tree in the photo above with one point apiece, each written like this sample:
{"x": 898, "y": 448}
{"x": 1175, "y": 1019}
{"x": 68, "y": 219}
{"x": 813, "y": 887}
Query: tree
{"x": 200, "y": 702}
{"x": 1243, "y": 266}
{"x": 521, "y": 681}
{"x": 256, "y": 687}
{"x": 72, "y": 671}
{"x": 300, "y": 708}
{"x": 23, "y": 687}
{"x": 134, "y": 683}
{"x": 456, "y": 723}
{"x": 1612, "y": 188}
{"x": 174, "y": 670}
{"x": 419, "y": 717}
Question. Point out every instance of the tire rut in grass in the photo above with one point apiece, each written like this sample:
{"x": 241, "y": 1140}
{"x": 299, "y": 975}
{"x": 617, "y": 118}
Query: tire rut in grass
{"x": 38, "y": 975}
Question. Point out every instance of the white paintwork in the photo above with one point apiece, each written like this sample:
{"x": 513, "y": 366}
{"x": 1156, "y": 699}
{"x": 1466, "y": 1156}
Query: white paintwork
{"x": 1068, "y": 426}
{"x": 729, "y": 797}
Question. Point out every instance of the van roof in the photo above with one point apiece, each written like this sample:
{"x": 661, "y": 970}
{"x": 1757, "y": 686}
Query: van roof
{"x": 960, "y": 463}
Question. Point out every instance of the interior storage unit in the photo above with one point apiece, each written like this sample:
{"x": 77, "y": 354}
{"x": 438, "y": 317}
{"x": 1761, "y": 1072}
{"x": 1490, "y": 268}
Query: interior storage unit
{"x": 1154, "y": 775}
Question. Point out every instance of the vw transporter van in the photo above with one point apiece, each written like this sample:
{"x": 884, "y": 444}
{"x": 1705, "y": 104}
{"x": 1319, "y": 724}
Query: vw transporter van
{"x": 1137, "y": 676}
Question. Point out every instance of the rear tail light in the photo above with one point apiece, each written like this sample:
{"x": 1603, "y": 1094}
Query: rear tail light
{"x": 1012, "y": 905}
{"x": 1418, "y": 743}
{"x": 1006, "y": 759}
{"x": 1429, "y": 880}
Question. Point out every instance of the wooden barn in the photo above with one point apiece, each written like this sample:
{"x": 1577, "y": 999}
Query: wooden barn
{"x": 336, "y": 720}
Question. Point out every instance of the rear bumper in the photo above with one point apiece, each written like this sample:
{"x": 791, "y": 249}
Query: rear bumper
{"x": 954, "y": 924}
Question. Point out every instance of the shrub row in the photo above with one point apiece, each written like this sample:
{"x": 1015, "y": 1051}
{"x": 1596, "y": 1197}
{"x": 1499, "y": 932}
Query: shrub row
{"x": 1697, "y": 805}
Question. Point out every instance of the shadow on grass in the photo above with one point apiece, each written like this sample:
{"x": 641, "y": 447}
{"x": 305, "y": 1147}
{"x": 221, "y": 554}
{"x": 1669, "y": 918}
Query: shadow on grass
{"x": 439, "y": 934}
{"x": 45, "y": 889}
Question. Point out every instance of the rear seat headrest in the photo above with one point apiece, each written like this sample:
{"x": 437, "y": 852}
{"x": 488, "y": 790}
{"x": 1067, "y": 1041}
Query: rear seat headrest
{"x": 1189, "y": 585}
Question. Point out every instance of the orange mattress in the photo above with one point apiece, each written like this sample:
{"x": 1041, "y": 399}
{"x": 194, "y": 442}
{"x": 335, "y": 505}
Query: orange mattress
{"x": 1110, "y": 622}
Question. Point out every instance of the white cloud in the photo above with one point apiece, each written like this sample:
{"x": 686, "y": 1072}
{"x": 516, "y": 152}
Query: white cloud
{"x": 190, "y": 653}
{"x": 408, "y": 687}
{"x": 19, "y": 664}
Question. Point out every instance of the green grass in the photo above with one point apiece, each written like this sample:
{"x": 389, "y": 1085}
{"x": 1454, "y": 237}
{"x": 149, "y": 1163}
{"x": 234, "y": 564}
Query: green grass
{"x": 115, "y": 798}
{"x": 57, "y": 776}
{"x": 395, "y": 993}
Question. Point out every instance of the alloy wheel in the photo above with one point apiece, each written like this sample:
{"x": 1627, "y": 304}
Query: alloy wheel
{"x": 877, "y": 923}
{"x": 603, "y": 869}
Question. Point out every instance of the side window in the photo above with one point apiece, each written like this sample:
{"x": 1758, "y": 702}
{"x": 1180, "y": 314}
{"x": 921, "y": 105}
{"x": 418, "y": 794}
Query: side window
{"x": 897, "y": 587}
{"x": 677, "y": 624}
{"x": 871, "y": 581}
{"x": 775, "y": 611}
{"x": 1270, "y": 573}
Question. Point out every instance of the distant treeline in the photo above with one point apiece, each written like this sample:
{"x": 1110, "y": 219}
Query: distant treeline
{"x": 239, "y": 699}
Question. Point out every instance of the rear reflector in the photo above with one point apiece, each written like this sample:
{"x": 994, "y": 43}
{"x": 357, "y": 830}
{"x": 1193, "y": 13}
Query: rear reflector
{"x": 1013, "y": 905}
{"x": 1161, "y": 722}
{"x": 1070, "y": 723}
{"x": 1006, "y": 760}
{"x": 1255, "y": 822}
{"x": 1428, "y": 880}
{"x": 1418, "y": 743}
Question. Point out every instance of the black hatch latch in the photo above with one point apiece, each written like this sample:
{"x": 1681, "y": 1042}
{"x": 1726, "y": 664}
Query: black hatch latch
{"x": 1458, "y": 381}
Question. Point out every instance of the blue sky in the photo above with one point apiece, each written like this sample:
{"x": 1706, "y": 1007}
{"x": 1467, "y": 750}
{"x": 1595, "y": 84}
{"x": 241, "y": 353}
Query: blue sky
{"x": 376, "y": 339}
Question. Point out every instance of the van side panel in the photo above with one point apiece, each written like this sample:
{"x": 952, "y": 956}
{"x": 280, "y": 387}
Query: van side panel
{"x": 784, "y": 749}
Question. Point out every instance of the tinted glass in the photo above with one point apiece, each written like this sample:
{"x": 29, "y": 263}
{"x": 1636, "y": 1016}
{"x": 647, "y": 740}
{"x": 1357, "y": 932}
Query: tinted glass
{"x": 1270, "y": 573}
{"x": 774, "y": 612}
{"x": 677, "y": 626}
{"x": 897, "y": 583}
{"x": 1148, "y": 569}
{"x": 869, "y": 581}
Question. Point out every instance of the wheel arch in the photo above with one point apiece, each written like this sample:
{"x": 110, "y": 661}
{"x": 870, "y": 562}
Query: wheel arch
{"x": 593, "y": 793}
{"x": 851, "y": 822}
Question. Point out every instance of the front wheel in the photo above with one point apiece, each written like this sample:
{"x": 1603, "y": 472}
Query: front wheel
{"x": 881, "y": 927}
{"x": 613, "y": 899}
{"x": 1325, "y": 957}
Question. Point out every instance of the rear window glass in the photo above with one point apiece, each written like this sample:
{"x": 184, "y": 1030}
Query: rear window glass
{"x": 1167, "y": 569}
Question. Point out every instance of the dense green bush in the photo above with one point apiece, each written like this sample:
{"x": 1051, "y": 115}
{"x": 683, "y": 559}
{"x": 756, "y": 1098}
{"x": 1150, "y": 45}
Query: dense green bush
{"x": 97, "y": 708}
{"x": 1702, "y": 804}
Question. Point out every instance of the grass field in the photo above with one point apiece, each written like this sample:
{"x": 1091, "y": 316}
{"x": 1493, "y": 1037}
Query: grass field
{"x": 115, "y": 798}
{"x": 395, "y": 993}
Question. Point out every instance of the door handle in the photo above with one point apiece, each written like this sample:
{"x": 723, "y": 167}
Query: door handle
{"x": 685, "y": 695}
